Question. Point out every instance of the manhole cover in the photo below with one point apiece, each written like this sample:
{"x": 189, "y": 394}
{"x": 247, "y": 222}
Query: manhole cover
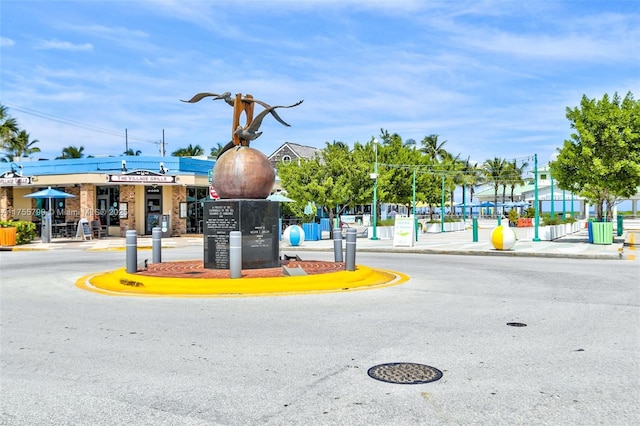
{"x": 404, "y": 373}
{"x": 516, "y": 324}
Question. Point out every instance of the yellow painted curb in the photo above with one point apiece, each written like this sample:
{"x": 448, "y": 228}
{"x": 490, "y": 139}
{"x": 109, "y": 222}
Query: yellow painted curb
{"x": 119, "y": 282}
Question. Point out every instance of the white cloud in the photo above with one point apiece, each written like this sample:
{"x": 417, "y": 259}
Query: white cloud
{"x": 63, "y": 45}
{"x": 4, "y": 42}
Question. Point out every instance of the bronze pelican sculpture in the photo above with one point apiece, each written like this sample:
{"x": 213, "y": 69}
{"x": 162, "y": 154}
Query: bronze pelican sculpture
{"x": 250, "y": 132}
{"x": 226, "y": 96}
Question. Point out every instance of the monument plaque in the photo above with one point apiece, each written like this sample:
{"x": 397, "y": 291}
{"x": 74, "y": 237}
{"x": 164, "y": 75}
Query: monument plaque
{"x": 257, "y": 220}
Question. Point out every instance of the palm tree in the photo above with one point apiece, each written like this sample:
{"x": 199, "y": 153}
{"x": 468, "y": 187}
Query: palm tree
{"x": 471, "y": 177}
{"x": 8, "y": 127}
{"x": 189, "y": 151}
{"x": 20, "y": 146}
{"x": 215, "y": 151}
{"x": 453, "y": 166}
{"x": 131, "y": 152}
{"x": 432, "y": 149}
{"x": 71, "y": 152}
{"x": 515, "y": 175}
{"x": 494, "y": 172}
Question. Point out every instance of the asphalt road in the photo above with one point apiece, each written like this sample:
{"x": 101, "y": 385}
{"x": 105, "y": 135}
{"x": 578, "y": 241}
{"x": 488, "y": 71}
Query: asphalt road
{"x": 72, "y": 357}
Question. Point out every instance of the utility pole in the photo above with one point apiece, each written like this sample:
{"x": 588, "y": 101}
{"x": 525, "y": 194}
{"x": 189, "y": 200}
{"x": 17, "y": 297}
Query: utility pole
{"x": 162, "y": 145}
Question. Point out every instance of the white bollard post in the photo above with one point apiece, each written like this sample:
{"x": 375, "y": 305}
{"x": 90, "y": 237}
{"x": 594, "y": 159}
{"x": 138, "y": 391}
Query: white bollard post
{"x": 235, "y": 254}
{"x": 132, "y": 251}
{"x": 337, "y": 245}
{"x": 156, "y": 244}
{"x": 350, "y": 262}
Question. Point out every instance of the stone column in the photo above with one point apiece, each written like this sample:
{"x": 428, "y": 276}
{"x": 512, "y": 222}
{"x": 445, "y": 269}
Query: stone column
{"x": 178, "y": 195}
{"x": 128, "y": 195}
{"x": 6, "y": 203}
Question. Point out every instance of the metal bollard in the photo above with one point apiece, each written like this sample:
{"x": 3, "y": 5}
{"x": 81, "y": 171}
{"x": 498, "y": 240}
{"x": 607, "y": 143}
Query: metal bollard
{"x": 132, "y": 252}
{"x": 475, "y": 229}
{"x": 337, "y": 245}
{"x": 350, "y": 263}
{"x": 235, "y": 254}
{"x": 156, "y": 245}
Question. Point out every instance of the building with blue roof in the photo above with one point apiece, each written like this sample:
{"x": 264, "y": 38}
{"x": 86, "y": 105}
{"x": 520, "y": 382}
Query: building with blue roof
{"x": 122, "y": 193}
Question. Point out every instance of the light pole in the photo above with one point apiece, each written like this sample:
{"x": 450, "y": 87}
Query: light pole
{"x": 374, "y": 176}
{"x": 413, "y": 202}
{"x": 442, "y": 207}
{"x": 536, "y": 214}
{"x": 553, "y": 199}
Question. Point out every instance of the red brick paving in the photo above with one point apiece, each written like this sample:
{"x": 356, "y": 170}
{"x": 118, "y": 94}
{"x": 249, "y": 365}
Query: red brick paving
{"x": 195, "y": 269}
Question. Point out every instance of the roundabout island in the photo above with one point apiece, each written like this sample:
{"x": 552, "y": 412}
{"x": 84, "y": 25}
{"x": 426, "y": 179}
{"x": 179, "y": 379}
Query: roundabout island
{"x": 191, "y": 279}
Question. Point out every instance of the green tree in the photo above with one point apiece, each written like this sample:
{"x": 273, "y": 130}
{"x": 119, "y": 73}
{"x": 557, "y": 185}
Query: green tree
{"x": 471, "y": 177}
{"x": 215, "y": 151}
{"x": 335, "y": 180}
{"x": 189, "y": 151}
{"x": 432, "y": 148}
{"x": 71, "y": 151}
{"x": 601, "y": 160}
{"x": 514, "y": 175}
{"x": 494, "y": 173}
{"x": 453, "y": 167}
{"x": 21, "y": 146}
{"x": 131, "y": 152}
{"x": 8, "y": 127}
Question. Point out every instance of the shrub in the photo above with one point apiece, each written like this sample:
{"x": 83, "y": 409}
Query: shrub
{"x": 547, "y": 220}
{"x": 25, "y": 231}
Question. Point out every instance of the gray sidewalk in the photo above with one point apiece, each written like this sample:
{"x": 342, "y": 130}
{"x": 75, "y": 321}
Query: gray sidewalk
{"x": 458, "y": 242}
{"x": 461, "y": 242}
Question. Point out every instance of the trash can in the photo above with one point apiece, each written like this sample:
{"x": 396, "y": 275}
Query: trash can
{"x": 619, "y": 226}
{"x": 590, "y": 230}
{"x": 602, "y": 232}
{"x": 8, "y": 236}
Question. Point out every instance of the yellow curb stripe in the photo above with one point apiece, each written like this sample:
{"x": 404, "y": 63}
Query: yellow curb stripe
{"x": 119, "y": 282}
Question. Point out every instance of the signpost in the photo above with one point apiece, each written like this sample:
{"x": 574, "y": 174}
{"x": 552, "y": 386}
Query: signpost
{"x": 404, "y": 232}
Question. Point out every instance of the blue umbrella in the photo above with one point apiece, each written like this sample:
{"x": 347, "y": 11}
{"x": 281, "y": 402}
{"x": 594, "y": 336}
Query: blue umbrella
{"x": 49, "y": 194}
{"x": 280, "y": 198}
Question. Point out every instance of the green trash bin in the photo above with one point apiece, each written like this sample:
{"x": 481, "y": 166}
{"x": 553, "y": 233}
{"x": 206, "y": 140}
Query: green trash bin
{"x": 602, "y": 232}
{"x": 619, "y": 226}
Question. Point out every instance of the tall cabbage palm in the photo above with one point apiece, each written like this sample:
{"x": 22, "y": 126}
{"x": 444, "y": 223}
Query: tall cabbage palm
{"x": 216, "y": 150}
{"x": 20, "y": 146}
{"x": 71, "y": 151}
{"x": 453, "y": 167}
{"x": 494, "y": 173}
{"x": 432, "y": 148}
{"x": 515, "y": 175}
{"x": 471, "y": 177}
{"x": 131, "y": 152}
{"x": 189, "y": 151}
{"x": 8, "y": 127}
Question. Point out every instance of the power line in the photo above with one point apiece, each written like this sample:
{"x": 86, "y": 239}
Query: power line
{"x": 78, "y": 124}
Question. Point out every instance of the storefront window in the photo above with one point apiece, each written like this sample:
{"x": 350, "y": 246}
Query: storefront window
{"x": 108, "y": 205}
{"x": 195, "y": 208}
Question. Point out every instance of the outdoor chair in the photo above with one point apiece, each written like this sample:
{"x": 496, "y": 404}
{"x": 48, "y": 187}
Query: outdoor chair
{"x": 97, "y": 230}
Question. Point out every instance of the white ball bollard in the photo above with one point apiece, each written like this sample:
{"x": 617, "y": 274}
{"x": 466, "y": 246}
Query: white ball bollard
{"x": 293, "y": 235}
{"x": 503, "y": 238}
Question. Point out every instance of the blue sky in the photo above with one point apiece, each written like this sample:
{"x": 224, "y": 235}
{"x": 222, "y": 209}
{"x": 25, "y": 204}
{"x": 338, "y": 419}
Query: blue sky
{"x": 492, "y": 78}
